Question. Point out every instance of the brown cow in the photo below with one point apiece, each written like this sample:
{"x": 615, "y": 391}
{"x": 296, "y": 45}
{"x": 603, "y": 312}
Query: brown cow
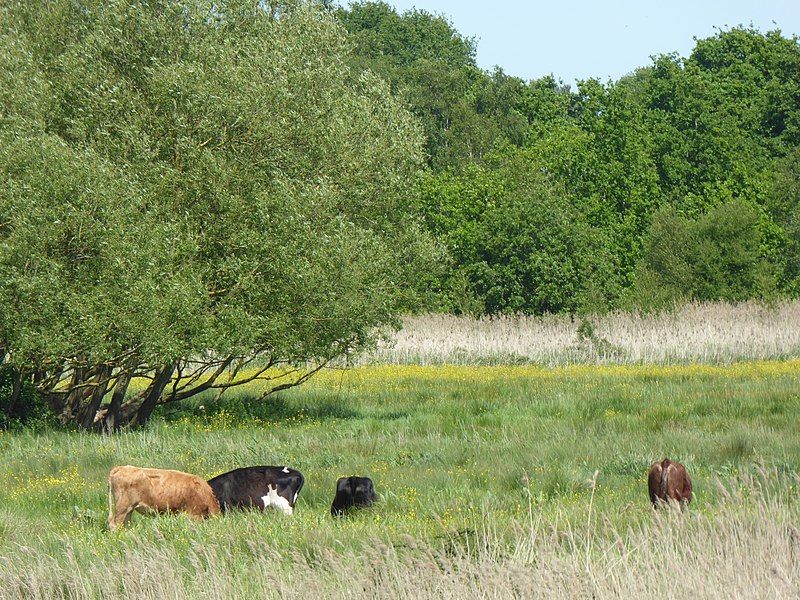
{"x": 157, "y": 490}
{"x": 667, "y": 481}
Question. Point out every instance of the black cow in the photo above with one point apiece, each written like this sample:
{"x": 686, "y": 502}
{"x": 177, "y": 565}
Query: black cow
{"x": 258, "y": 487}
{"x": 353, "y": 491}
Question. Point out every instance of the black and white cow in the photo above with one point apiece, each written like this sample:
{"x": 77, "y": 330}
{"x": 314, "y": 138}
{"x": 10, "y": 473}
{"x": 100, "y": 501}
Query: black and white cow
{"x": 258, "y": 487}
{"x": 353, "y": 492}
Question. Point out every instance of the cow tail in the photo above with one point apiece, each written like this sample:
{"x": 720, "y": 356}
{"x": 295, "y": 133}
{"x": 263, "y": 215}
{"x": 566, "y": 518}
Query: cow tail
{"x": 110, "y": 500}
{"x": 666, "y": 467}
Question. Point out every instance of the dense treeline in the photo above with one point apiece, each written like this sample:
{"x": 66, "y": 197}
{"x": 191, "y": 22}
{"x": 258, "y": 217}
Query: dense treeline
{"x": 678, "y": 181}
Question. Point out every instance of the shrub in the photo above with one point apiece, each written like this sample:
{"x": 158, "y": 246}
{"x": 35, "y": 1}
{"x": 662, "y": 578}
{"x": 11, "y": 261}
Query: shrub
{"x": 716, "y": 257}
{"x": 28, "y": 409}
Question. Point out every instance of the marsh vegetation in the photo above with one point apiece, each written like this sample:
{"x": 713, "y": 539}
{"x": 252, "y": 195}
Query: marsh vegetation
{"x": 518, "y": 481}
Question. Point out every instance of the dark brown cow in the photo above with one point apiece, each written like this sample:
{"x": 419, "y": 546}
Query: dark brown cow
{"x": 668, "y": 480}
{"x": 157, "y": 490}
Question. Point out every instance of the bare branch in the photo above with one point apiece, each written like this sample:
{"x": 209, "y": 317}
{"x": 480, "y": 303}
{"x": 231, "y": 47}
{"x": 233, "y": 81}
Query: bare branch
{"x": 210, "y": 383}
{"x": 203, "y": 386}
{"x": 304, "y": 378}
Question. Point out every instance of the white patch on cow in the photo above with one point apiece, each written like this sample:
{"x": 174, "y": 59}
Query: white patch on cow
{"x": 273, "y": 499}
{"x": 294, "y": 500}
{"x": 285, "y": 469}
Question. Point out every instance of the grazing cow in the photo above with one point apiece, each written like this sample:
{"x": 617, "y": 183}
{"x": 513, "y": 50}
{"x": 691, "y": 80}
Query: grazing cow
{"x": 156, "y": 490}
{"x": 667, "y": 481}
{"x": 352, "y": 492}
{"x": 261, "y": 487}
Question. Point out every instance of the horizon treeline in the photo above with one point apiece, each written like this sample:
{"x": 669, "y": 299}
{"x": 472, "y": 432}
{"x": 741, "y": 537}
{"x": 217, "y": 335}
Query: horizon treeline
{"x": 679, "y": 181}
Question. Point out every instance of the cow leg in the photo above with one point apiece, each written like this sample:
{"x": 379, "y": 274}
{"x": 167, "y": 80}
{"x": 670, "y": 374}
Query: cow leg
{"x": 195, "y": 515}
{"x": 120, "y": 517}
{"x": 116, "y": 516}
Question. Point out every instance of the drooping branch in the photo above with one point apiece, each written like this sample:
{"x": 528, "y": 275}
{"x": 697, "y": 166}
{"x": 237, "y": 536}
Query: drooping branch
{"x": 305, "y": 377}
{"x": 212, "y": 382}
{"x": 97, "y": 375}
{"x": 179, "y": 393}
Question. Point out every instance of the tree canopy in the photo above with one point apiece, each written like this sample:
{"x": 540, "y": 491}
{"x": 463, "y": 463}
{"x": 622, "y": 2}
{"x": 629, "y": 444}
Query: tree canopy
{"x": 463, "y": 109}
{"x": 690, "y": 134}
{"x": 190, "y": 188}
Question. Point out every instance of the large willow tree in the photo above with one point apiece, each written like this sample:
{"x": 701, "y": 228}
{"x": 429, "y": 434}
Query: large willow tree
{"x": 195, "y": 192}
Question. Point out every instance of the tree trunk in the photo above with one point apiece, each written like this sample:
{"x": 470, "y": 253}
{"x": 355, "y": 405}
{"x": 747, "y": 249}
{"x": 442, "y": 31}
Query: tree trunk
{"x": 16, "y": 392}
{"x": 76, "y": 395}
{"x": 151, "y": 396}
{"x": 87, "y": 411}
{"x": 111, "y": 421}
{"x": 46, "y": 383}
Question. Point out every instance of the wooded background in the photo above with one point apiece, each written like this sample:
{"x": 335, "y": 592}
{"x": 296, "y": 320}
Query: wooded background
{"x": 206, "y": 193}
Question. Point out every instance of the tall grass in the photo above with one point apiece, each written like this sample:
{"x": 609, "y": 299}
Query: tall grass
{"x": 747, "y": 549}
{"x": 717, "y": 332}
{"x": 494, "y": 482}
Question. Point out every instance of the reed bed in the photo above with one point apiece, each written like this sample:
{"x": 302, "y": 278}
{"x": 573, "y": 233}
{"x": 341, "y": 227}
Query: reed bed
{"x": 709, "y": 333}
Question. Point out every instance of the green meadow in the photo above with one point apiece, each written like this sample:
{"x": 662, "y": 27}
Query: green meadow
{"x": 493, "y": 481}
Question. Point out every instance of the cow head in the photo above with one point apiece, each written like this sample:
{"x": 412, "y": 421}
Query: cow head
{"x": 353, "y": 492}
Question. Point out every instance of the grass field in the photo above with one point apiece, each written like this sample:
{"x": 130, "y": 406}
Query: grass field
{"x": 495, "y": 482}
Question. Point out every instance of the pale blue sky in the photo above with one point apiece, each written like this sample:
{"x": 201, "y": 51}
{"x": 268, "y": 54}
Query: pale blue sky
{"x": 582, "y": 39}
